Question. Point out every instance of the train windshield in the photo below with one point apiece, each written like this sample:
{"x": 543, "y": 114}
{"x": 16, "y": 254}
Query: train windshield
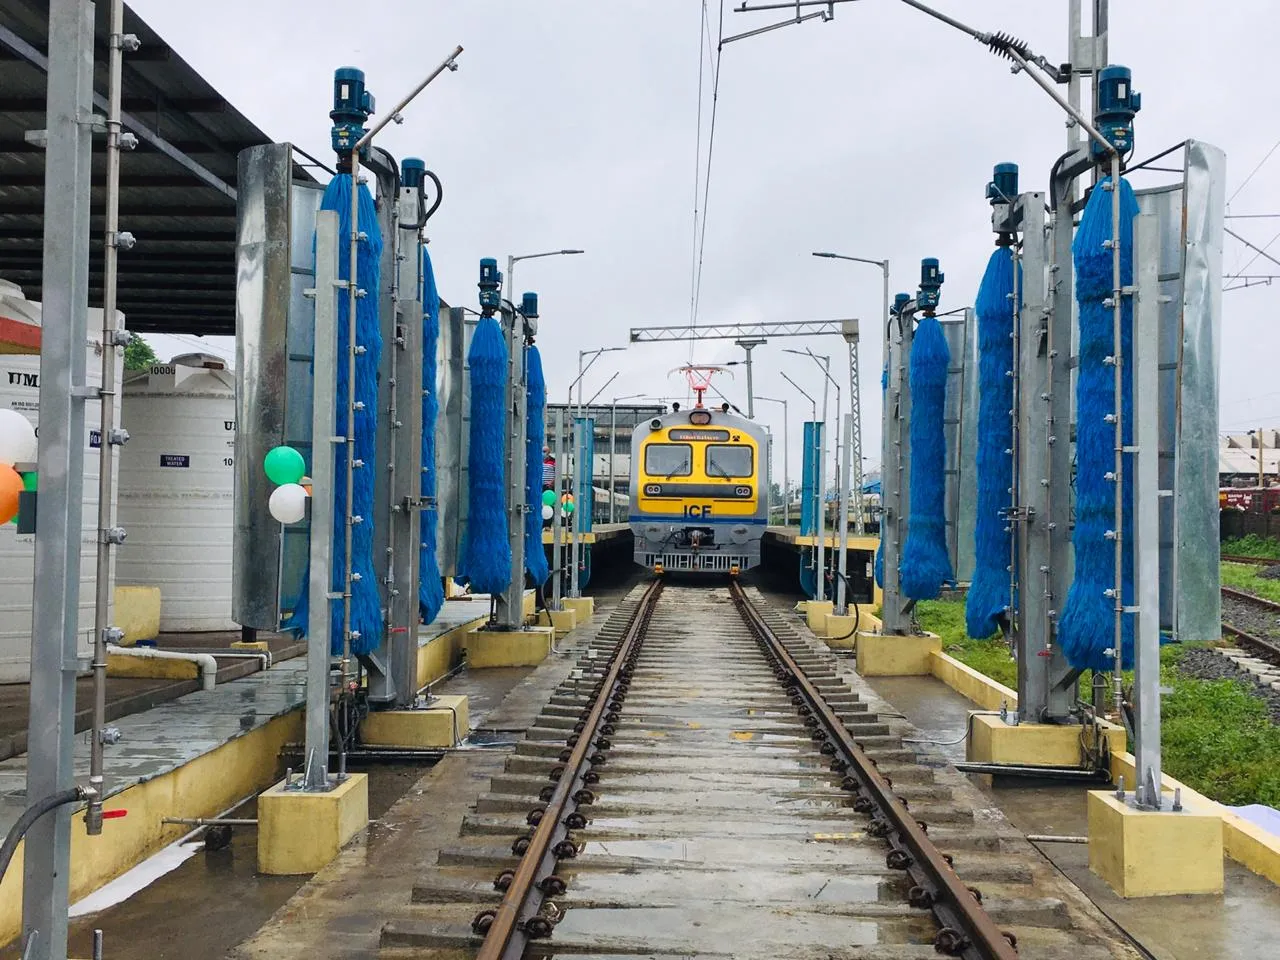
{"x": 729, "y": 462}
{"x": 668, "y": 460}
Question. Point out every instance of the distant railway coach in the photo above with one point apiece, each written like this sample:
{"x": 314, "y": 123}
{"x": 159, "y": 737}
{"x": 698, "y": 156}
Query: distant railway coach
{"x": 699, "y": 491}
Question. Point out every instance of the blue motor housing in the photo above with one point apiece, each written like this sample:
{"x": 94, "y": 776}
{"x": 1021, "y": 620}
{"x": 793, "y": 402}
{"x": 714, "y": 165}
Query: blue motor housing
{"x": 529, "y": 305}
{"x": 413, "y": 172}
{"x": 352, "y": 106}
{"x": 900, "y": 302}
{"x": 490, "y": 281}
{"x": 930, "y": 285}
{"x": 1117, "y": 106}
{"x": 1003, "y": 187}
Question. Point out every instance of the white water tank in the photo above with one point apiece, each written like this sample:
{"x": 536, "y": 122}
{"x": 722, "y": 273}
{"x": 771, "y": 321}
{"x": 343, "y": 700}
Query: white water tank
{"x": 176, "y": 498}
{"x": 20, "y": 390}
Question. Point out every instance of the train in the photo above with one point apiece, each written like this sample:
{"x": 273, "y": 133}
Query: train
{"x": 699, "y": 491}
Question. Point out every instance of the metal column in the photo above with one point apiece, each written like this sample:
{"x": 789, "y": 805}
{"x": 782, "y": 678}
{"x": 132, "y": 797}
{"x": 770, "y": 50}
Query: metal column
{"x": 895, "y": 472}
{"x": 510, "y": 604}
{"x": 748, "y": 346}
{"x": 324, "y": 438}
{"x": 557, "y": 515}
{"x": 843, "y": 526}
{"x": 56, "y": 606}
{"x": 853, "y": 442}
{"x": 1042, "y": 472}
{"x": 1144, "y": 356}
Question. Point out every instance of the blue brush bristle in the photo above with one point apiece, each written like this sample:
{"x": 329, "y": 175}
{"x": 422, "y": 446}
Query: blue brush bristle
{"x": 989, "y": 590}
{"x": 535, "y": 556}
{"x": 430, "y": 586}
{"x": 1087, "y": 625}
{"x": 487, "y": 551}
{"x": 926, "y": 565}
{"x": 366, "y": 605}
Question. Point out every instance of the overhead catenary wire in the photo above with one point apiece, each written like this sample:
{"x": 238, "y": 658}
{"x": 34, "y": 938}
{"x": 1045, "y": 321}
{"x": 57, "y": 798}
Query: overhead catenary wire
{"x": 697, "y": 171}
{"x": 1252, "y": 173}
{"x": 706, "y": 179}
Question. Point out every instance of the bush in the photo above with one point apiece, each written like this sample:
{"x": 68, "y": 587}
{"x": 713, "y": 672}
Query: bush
{"x": 1253, "y": 546}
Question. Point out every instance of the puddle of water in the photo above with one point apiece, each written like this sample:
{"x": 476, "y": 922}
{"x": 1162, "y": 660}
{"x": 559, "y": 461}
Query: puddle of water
{"x": 139, "y": 878}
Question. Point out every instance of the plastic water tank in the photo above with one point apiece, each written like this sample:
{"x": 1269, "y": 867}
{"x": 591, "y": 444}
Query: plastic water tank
{"x": 20, "y": 390}
{"x": 176, "y": 497}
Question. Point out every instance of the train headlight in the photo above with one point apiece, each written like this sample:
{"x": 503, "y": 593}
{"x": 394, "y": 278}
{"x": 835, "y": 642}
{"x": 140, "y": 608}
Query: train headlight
{"x": 742, "y": 491}
{"x": 655, "y": 424}
{"x": 700, "y": 418}
{"x": 652, "y": 490}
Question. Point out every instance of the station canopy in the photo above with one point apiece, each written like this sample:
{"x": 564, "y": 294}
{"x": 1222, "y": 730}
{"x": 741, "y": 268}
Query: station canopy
{"x": 177, "y": 189}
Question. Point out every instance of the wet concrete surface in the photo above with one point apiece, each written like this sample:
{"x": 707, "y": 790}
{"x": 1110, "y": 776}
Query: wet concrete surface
{"x": 1242, "y": 924}
{"x": 202, "y": 909}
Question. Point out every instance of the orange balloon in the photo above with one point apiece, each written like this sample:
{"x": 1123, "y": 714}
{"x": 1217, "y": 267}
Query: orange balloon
{"x": 10, "y": 487}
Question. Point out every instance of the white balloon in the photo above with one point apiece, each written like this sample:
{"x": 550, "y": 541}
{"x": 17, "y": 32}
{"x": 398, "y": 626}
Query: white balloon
{"x": 547, "y": 512}
{"x": 288, "y": 503}
{"x": 17, "y": 438}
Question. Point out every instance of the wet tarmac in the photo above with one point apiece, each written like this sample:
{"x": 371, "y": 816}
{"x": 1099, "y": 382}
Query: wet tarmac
{"x": 1242, "y": 924}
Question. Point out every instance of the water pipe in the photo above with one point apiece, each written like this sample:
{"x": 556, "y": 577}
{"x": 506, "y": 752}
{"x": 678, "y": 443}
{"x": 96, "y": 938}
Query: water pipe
{"x": 208, "y": 665}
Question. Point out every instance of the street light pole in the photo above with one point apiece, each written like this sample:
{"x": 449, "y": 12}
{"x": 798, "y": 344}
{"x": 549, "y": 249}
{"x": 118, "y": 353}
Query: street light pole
{"x": 579, "y": 476}
{"x": 786, "y": 475}
{"x": 511, "y": 603}
{"x": 824, "y": 363}
{"x": 748, "y": 345}
{"x": 855, "y": 403}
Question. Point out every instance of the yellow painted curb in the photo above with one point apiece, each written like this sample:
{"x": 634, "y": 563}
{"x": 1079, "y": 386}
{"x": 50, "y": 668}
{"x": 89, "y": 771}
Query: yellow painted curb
{"x": 137, "y": 613}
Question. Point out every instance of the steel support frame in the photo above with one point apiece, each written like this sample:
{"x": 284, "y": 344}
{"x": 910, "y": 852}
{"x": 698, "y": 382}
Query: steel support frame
{"x": 738, "y": 331}
{"x": 56, "y": 606}
{"x": 324, "y": 441}
{"x": 1042, "y": 461}
{"x": 895, "y": 469}
{"x": 1144, "y": 356}
{"x": 510, "y": 603}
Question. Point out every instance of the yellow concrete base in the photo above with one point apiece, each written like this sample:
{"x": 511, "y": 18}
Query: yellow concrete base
{"x": 880, "y": 655}
{"x": 584, "y": 608}
{"x": 815, "y": 614}
{"x": 442, "y": 723}
{"x": 137, "y": 613}
{"x": 528, "y": 603}
{"x": 145, "y": 668}
{"x": 251, "y": 645}
{"x": 301, "y": 832}
{"x": 1033, "y": 744}
{"x": 1142, "y": 853}
{"x": 840, "y": 632}
{"x": 515, "y": 648}
{"x": 562, "y": 620}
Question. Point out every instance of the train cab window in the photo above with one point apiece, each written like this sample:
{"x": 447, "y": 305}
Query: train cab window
{"x": 668, "y": 460}
{"x": 729, "y": 462}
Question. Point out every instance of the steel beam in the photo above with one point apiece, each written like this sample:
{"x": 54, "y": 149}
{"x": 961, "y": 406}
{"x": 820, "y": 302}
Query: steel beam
{"x": 738, "y": 331}
{"x": 56, "y": 607}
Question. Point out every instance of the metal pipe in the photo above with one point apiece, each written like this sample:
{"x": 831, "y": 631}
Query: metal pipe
{"x": 1049, "y": 838}
{"x": 447, "y": 64}
{"x": 111, "y": 338}
{"x": 557, "y": 548}
{"x": 212, "y": 822}
{"x": 842, "y": 566}
{"x": 353, "y": 294}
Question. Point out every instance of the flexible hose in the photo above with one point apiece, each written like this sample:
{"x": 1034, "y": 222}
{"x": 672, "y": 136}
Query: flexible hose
{"x": 29, "y": 817}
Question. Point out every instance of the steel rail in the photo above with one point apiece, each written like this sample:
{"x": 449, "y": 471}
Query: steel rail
{"x": 517, "y": 918}
{"x": 1259, "y": 561}
{"x": 1252, "y": 598}
{"x": 966, "y": 930}
{"x": 1270, "y": 648}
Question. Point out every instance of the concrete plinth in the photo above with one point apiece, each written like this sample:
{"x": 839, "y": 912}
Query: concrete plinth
{"x": 840, "y": 630}
{"x": 508, "y": 648}
{"x": 815, "y": 614}
{"x": 301, "y": 832}
{"x": 889, "y": 655}
{"x": 562, "y": 620}
{"x": 137, "y": 613}
{"x": 1142, "y": 853}
{"x": 1033, "y": 744}
{"x": 442, "y": 723}
{"x": 584, "y": 608}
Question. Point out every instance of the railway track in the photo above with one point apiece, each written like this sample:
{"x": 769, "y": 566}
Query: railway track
{"x": 1256, "y": 561}
{"x": 706, "y": 782}
{"x": 1261, "y": 616}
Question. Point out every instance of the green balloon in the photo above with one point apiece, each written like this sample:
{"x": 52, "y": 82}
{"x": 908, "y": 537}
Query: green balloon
{"x": 548, "y": 498}
{"x": 29, "y": 481}
{"x": 567, "y": 506}
{"x": 284, "y": 465}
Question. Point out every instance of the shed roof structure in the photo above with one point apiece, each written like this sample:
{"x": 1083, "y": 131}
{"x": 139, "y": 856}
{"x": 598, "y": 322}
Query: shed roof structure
{"x": 177, "y": 188}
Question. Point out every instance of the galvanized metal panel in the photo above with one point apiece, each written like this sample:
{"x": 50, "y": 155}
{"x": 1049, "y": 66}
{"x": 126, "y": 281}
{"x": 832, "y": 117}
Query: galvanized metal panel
{"x": 275, "y": 224}
{"x": 451, "y": 437}
{"x": 956, "y": 329}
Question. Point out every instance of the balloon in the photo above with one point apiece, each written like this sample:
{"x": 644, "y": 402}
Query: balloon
{"x": 288, "y": 502}
{"x": 29, "y": 481}
{"x": 17, "y": 438}
{"x": 548, "y": 498}
{"x": 547, "y": 512}
{"x": 10, "y": 487}
{"x": 568, "y": 506}
{"x": 284, "y": 465}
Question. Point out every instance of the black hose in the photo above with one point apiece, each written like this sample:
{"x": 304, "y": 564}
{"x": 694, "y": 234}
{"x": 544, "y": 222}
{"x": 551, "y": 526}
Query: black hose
{"x": 29, "y": 817}
{"x": 856, "y": 614}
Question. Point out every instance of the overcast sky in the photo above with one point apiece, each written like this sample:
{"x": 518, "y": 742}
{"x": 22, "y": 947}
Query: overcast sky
{"x": 572, "y": 123}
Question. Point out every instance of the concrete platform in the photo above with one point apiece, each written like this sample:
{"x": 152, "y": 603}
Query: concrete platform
{"x": 301, "y": 832}
{"x": 443, "y": 722}
{"x": 508, "y": 648}
{"x": 1145, "y": 853}
{"x": 562, "y": 620}
{"x": 600, "y": 533}
{"x": 887, "y": 655}
{"x": 992, "y": 740}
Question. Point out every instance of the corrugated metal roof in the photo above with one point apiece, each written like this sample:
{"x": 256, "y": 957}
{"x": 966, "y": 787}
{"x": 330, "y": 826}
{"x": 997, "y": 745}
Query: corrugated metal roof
{"x": 177, "y": 193}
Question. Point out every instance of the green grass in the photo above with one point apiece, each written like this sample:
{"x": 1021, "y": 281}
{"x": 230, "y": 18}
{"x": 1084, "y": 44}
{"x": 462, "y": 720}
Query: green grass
{"x": 1253, "y": 546}
{"x": 1244, "y": 576}
{"x": 1217, "y": 738}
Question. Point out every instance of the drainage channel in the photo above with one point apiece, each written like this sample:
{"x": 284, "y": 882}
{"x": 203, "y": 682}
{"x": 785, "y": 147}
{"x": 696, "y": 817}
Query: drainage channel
{"x": 705, "y": 783}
